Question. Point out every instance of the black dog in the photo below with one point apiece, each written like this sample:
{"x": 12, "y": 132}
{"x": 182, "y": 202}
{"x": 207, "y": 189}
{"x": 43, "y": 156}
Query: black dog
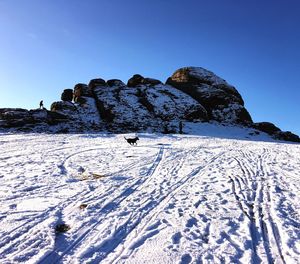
{"x": 132, "y": 141}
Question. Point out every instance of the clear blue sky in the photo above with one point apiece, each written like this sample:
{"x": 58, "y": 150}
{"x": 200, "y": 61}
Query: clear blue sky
{"x": 47, "y": 46}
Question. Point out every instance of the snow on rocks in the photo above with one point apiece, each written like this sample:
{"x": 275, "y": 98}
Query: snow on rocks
{"x": 227, "y": 198}
{"x": 212, "y": 92}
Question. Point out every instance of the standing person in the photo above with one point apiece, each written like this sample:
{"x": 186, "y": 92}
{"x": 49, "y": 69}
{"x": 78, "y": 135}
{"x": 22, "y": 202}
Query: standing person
{"x": 180, "y": 127}
{"x": 41, "y": 104}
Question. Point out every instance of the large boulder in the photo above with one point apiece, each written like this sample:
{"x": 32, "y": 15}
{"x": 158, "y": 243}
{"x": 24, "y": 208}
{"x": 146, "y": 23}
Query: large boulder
{"x": 29, "y": 120}
{"x": 115, "y": 82}
{"x": 96, "y": 82}
{"x": 138, "y": 79}
{"x": 266, "y": 127}
{"x": 62, "y": 106}
{"x": 287, "y": 136}
{"x": 220, "y": 99}
{"x": 81, "y": 89}
{"x": 135, "y": 80}
{"x": 151, "y": 81}
{"x": 15, "y": 117}
{"x": 14, "y": 113}
{"x": 67, "y": 95}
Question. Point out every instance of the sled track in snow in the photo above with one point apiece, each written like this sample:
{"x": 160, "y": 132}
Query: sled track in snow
{"x": 58, "y": 253}
{"x": 22, "y": 233}
{"x": 123, "y": 230}
{"x": 149, "y": 216}
{"x": 257, "y": 205}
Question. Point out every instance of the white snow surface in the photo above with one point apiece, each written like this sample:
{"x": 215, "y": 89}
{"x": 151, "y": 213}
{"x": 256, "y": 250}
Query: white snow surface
{"x": 218, "y": 195}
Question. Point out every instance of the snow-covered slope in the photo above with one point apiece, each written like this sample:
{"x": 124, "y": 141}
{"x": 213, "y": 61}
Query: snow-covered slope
{"x": 228, "y": 198}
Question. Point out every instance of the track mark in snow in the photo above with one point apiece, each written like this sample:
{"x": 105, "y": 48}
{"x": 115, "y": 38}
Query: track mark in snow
{"x": 261, "y": 225}
{"x": 163, "y": 201}
{"x": 61, "y": 249}
{"x": 176, "y": 238}
{"x": 185, "y": 259}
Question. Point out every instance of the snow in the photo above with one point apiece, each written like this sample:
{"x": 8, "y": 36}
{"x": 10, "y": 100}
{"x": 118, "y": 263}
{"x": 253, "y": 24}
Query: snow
{"x": 202, "y": 73}
{"x": 215, "y": 195}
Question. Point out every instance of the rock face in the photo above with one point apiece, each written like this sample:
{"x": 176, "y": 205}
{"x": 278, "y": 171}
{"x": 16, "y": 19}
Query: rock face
{"x": 26, "y": 120}
{"x": 221, "y": 100}
{"x": 276, "y": 132}
{"x": 67, "y": 95}
{"x": 266, "y": 127}
{"x": 143, "y": 104}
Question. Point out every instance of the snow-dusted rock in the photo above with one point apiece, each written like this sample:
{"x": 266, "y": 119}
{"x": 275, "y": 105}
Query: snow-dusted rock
{"x": 147, "y": 106}
{"x": 220, "y": 99}
{"x": 37, "y": 120}
{"x": 144, "y": 104}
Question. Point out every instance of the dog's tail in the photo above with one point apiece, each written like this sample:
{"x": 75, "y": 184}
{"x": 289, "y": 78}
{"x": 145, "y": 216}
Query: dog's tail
{"x": 125, "y": 138}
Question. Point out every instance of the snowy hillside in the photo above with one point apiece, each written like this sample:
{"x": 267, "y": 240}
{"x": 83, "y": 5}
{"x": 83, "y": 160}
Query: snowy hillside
{"x": 225, "y": 195}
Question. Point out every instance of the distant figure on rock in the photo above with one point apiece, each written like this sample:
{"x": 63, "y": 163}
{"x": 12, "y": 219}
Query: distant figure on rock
{"x": 180, "y": 127}
{"x": 41, "y": 104}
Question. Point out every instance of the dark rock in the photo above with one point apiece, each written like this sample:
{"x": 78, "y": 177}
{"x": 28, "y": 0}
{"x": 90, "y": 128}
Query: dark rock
{"x": 144, "y": 101}
{"x": 243, "y": 116}
{"x": 220, "y": 99}
{"x": 56, "y": 118}
{"x": 135, "y": 80}
{"x": 61, "y": 106}
{"x": 13, "y": 113}
{"x": 83, "y": 206}
{"x": 115, "y": 82}
{"x": 29, "y": 119}
{"x": 151, "y": 81}
{"x": 15, "y": 117}
{"x": 287, "y": 136}
{"x": 67, "y": 95}
{"x": 80, "y": 100}
{"x": 61, "y": 228}
{"x": 82, "y": 89}
{"x": 96, "y": 82}
{"x": 266, "y": 127}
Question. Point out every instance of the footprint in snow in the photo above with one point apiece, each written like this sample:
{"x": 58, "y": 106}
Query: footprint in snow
{"x": 191, "y": 222}
{"x": 185, "y": 259}
{"x": 176, "y": 238}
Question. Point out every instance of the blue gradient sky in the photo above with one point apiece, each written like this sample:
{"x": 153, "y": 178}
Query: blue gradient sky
{"x": 47, "y": 46}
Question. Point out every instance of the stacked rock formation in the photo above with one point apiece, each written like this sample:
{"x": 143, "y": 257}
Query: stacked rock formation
{"x": 143, "y": 104}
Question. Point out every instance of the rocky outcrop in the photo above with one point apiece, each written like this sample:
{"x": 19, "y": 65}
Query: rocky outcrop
{"x": 221, "y": 100}
{"x": 28, "y": 119}
{"x": 266, "y": 127}
{"x": 135, "y": 80}
{"x": 143, "y": 104}
{"x": 276, "y": 132}
{"x": 67, "y": 95}
{"x": 96, "y": 82}
{"x": 138, "y": 79}
{"x": 287, "y": 136}
{"x": 146, "y": 107}
{"x": 115, "y": 82}
{"x": 81, "y": 89}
